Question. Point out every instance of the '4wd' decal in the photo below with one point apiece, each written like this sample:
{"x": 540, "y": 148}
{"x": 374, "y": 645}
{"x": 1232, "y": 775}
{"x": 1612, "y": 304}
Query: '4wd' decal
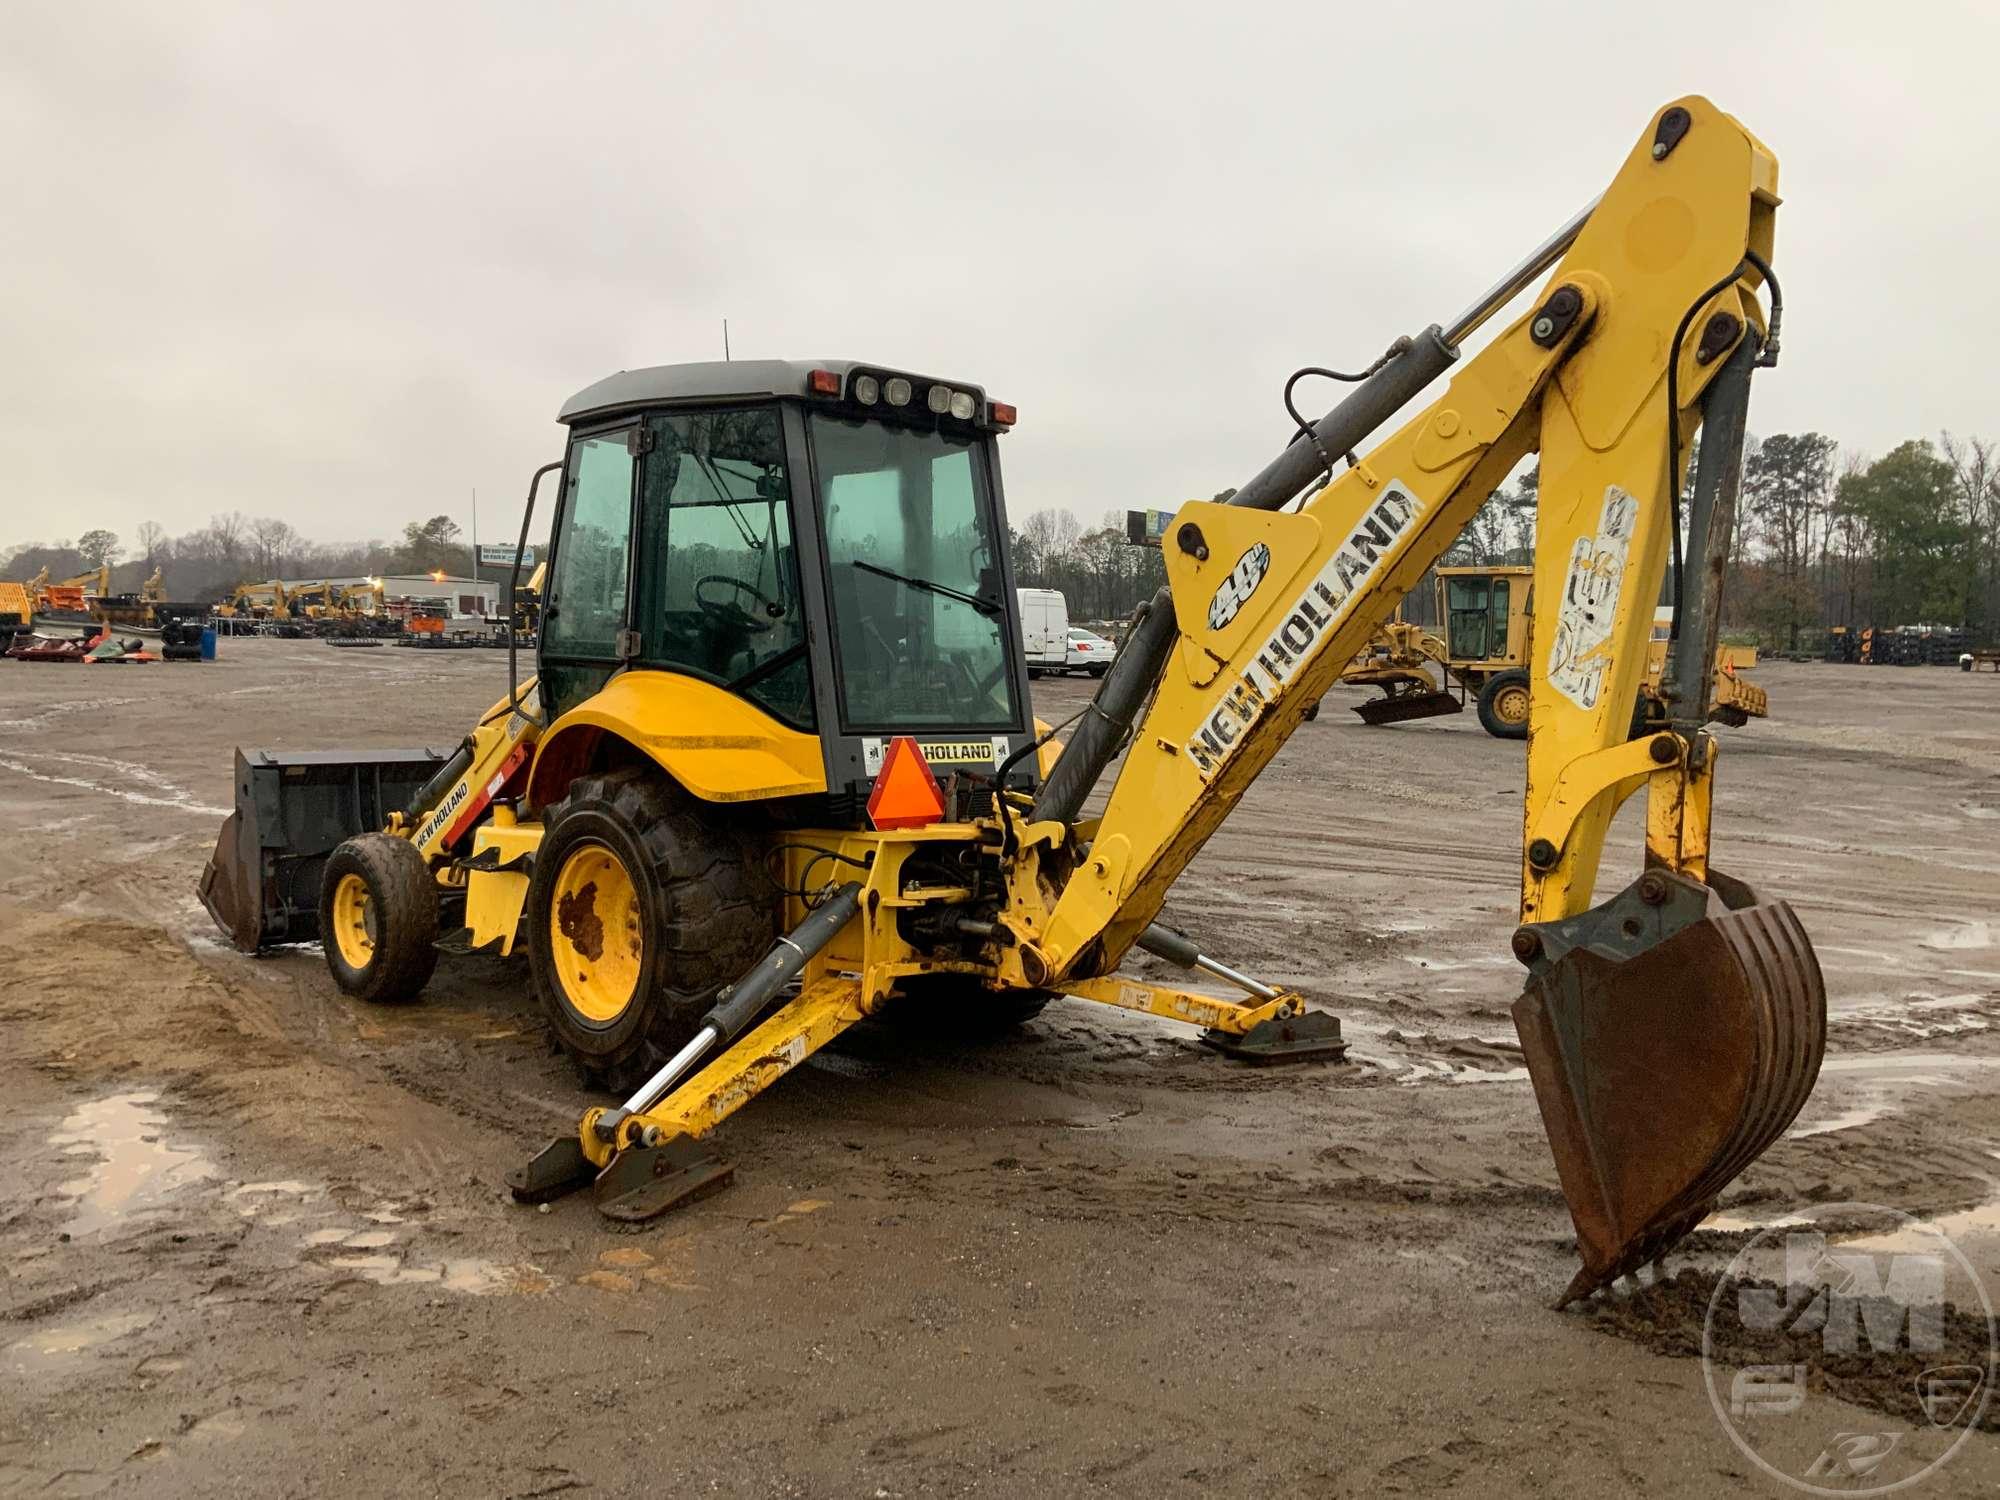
{"x": 1236, "y": 589}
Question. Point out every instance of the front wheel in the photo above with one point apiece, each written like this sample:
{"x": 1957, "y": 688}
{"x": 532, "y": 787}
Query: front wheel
{"x": 378, "y": 918}
{"x": 639, "y": 910}
{"x": 1503, "y": 705}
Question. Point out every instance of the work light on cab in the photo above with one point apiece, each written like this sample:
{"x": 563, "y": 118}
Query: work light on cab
{"x": 906, "y": 794}
{"x": 867, "y": 390}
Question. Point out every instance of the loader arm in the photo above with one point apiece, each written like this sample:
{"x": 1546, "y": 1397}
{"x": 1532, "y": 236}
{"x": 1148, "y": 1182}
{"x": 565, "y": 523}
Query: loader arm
{"x": 1270, "y": 606}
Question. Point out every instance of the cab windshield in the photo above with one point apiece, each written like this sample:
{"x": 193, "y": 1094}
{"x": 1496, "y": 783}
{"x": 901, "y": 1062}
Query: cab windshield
{"x": 919, "y": 616}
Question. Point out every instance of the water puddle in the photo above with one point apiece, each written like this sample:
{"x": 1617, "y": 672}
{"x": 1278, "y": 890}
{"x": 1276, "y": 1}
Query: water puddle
{"x": 1857, "y": 1090}
{"x": 257, "y": 1200}
{"x": 1438, "y": 1070}
{"x": 469, "y": 1277}
{"x": 52, "y": 1347}
{"x": 1964, "y": 935}
{"x": 136, "y": 1171}
{"x": 1732, "y": 1223}
{"x": 1959, "y": 1226}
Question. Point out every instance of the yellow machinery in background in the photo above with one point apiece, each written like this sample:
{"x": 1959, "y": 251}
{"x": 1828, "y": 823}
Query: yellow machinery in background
{"x": 17, "y": 611}
{"x": 71, "y": 597}
{"x": 1487, "y": 619}
{"x": 256, "y": 601}
{"x": 777, "y": 769}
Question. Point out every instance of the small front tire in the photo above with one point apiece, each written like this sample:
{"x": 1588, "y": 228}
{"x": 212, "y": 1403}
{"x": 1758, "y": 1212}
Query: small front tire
{"x": 378, "y": 918}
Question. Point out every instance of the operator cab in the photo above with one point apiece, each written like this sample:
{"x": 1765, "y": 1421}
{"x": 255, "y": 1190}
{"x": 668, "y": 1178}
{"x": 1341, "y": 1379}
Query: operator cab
{"x": 1478, "y": 610}
{"x": 825, "y": 540}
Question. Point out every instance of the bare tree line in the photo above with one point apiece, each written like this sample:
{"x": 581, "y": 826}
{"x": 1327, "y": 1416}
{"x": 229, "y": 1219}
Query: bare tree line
{"x": 209, "y": 562}
{"x": 1823, "y": 537}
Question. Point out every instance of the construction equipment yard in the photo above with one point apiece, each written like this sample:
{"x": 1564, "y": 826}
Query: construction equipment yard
{"x": 257, "y": 1237}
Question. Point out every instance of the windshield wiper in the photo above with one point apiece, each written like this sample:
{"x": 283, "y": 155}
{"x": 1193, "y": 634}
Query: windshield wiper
{"x": 984, "y": 606}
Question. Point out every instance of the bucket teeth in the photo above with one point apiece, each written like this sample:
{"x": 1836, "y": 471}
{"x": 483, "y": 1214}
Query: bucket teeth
{"x": 1664, "y": 1068}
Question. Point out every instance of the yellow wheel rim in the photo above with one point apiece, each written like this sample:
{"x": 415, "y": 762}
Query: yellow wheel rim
{"x": 353, "y": 922}
{"x": 1510, "y": 705}
{"x": 596, "y": 938}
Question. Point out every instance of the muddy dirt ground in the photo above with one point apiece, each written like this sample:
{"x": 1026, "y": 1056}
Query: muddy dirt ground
{"x": 256, "y": 1241}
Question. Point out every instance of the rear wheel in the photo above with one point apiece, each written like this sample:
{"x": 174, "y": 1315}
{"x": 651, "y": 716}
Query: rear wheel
{"x": 378, "y": 918}
{"x": 1503, "y": 705}
{"x": 639, "y": 910}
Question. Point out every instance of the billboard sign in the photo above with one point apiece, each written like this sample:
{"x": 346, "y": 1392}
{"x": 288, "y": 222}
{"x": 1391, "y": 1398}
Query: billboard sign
{"x": 1145, "y": 528}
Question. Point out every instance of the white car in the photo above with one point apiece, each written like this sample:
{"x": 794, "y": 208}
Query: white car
{"x": 1088, "y": 652}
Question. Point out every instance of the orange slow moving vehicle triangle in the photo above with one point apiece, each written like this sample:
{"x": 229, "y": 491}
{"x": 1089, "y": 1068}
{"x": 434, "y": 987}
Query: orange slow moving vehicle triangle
{"x": 906, "y": 794}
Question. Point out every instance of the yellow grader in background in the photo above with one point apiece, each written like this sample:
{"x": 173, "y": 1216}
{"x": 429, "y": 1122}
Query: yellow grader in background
{"x": 777, "y": 767}
{"x": 1488, "y": 623}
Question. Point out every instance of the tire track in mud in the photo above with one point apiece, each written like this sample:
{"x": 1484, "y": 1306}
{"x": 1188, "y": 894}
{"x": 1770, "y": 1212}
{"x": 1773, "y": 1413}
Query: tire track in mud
{"x": 177, "y": 798}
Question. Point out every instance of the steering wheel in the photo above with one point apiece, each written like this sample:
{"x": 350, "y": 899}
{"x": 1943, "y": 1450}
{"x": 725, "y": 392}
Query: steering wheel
{"x": 740, "y": 617}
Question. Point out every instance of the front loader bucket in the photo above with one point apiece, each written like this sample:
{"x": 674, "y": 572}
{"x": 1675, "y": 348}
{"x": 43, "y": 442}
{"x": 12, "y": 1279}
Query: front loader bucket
{"x": 293, "y": 809}
{"x": 1672, "y": 1033}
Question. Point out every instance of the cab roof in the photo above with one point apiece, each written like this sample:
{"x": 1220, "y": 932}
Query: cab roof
{"x": 717, "y": 380}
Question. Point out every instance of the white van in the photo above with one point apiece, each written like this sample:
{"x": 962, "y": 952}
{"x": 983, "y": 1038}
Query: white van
{"x": 1044, "y": 630}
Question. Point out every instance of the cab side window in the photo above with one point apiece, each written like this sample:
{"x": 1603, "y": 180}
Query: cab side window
{"x": 591, "y": 574}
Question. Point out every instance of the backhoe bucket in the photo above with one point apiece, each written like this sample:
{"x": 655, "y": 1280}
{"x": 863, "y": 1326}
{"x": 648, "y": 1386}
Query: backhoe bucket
{"x": 293, "y": 809}
{"x": 1671, "y": 1040}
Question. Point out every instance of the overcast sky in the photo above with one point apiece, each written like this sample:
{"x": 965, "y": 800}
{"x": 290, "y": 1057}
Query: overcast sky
{"x": 342, "y": 263}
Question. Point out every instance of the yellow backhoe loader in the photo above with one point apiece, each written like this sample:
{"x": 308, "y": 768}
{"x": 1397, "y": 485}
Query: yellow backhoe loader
{"x": 777, "y": 767}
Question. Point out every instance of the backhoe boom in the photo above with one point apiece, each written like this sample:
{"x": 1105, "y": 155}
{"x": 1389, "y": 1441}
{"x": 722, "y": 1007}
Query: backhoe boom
{"x": 1270, "y": 606}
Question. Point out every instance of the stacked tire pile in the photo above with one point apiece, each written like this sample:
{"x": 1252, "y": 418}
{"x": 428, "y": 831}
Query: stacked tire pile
{"x": 1905, "y": 646}
{"x": 180, "y": 640}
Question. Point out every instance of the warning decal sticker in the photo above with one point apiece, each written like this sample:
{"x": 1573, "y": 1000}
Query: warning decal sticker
{"x": 1577, "y": 657}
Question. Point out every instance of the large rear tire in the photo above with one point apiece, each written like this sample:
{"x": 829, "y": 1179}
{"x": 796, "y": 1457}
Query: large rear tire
{"x": 639, "y": 910}
{"x": 1503, "y": 705}
{"x": 378, "y": 918}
